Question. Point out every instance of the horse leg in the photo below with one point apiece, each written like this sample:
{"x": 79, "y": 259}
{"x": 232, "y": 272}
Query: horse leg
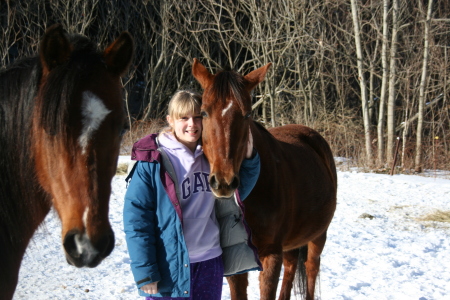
{"x": 290, "y": 259}
{"x": 312, "y": 264}
{"x": 268, "y": 278}
{"x": 238, "y": 286}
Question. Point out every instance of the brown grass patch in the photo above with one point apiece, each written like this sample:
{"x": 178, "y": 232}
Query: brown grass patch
{"x": 122, "y": 169}
{"x": 437, "y": 216}
{"x": 138, "y": 130}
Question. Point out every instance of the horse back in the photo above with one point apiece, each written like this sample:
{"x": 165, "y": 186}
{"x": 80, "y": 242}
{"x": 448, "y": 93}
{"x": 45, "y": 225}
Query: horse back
{"x": 302, "y": 136}
{"x": 296, "y": 188}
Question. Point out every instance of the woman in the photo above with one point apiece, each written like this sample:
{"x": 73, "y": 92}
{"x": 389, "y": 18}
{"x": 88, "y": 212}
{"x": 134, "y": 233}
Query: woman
{"x": 172, "y": 232}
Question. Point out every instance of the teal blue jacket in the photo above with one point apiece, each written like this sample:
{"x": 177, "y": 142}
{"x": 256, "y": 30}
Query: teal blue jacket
{"x": 153, "y": 221}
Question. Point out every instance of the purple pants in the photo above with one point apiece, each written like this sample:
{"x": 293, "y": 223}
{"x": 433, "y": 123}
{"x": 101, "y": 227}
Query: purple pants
{"x": 206, "y": 281}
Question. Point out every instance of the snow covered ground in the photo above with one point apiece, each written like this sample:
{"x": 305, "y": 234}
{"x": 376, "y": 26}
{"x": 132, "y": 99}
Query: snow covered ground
{"x": 377, "y": 248}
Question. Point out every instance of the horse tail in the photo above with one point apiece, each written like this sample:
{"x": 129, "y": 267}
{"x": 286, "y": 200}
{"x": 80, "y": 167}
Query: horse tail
{"x": 300, "y": 283}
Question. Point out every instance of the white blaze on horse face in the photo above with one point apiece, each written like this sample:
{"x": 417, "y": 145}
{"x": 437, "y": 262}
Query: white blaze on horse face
{"x": 227, "y": 108}
{"x": 85, "y": 215}
{"x": 93, "y": 111}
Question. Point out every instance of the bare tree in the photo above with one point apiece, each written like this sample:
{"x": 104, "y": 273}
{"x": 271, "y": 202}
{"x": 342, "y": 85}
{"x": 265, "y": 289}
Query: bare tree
{"x": 314, "y": 80}
{"x": 392, "y": 84}
{"x": 422, "y": 96}
{"x": 362, "y": 82}
{"x": 384, "y": 84}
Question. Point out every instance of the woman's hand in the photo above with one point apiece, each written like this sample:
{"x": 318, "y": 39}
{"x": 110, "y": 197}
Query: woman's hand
{"x": 249, "y": 152}
{"x": 151, "y": 288}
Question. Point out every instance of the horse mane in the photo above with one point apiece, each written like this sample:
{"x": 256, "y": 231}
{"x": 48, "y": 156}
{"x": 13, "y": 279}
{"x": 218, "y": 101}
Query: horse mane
{"x": 261, "y": 126}
{"x": 58, "y": 93}
{"x": 229, "y": 84}
{"x": 18, "y": 87}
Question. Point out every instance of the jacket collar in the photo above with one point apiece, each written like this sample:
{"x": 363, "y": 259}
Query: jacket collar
{"x": 146, "y": 149}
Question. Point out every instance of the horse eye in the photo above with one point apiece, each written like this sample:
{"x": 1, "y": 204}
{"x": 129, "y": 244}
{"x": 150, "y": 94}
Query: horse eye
{"x": 247, "y": 115}
{"x": 204, "y": 114}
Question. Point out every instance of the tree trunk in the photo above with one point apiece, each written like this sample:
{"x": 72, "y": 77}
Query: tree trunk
{"x": 384, "y": 83}
{"x": 406, "y": 123}
{"x": 362, "y": 83}
{"x": 422, "y": 98}
{"x": 392, "y": 81}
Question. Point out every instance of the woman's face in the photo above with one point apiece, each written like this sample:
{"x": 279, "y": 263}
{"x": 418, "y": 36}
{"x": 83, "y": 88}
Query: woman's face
{"x": 187, "y": 129}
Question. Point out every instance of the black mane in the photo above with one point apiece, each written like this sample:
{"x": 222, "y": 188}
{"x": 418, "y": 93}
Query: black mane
{"x": 18, "y": 87}
{"x": 229, "y": 84}
{"x": 62, "y": 83}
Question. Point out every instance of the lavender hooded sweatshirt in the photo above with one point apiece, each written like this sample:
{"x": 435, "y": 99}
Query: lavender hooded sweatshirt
{"x": 200, "y": 226}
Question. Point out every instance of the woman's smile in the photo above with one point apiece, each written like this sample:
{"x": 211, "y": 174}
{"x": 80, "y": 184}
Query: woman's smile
{"x": 187, "y": 129}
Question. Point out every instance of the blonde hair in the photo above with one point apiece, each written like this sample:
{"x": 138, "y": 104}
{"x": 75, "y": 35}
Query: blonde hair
{"x": 183, "y": 103}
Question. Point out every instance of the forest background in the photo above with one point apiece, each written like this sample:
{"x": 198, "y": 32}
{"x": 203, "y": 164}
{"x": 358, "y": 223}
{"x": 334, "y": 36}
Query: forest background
{"x": 371, "y": 76}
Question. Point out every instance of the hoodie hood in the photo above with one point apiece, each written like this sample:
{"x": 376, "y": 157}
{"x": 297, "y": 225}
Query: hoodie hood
{"x": 173, "y": 147}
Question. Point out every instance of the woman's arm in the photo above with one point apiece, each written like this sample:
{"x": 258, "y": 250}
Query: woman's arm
{"x": 250, "y": 169}
{"x": 139, "y": 218}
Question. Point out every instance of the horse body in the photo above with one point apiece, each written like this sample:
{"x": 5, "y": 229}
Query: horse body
{"x": 61, "y": 115}
{"x": 293, "y": 202}
{"x": 286, "y": 163}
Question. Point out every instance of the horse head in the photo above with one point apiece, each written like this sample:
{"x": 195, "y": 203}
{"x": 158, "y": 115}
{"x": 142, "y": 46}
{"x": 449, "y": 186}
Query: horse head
{"x": 77, "y": 124}
{"x": 226, "y": 110}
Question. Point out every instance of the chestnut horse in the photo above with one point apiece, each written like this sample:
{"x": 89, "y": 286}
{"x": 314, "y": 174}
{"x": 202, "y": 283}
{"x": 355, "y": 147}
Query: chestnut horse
{"x": 294, "y": 200}
{"x": 61, "y": 119}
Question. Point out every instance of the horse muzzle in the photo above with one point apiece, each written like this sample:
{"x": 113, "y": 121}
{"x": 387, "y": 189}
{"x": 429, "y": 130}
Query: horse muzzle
{"x": 81, "y": 252}
{"x": 222, "y": 188}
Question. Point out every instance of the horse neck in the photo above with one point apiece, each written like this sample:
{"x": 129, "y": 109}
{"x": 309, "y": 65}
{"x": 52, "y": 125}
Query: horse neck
{"x": 23, "y": 204}
{"x": 262, "y": 138}
{"x": 23, "y": 207}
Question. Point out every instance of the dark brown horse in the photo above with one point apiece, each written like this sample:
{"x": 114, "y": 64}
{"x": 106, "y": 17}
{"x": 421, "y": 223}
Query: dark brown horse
{"x": 294, "y": 200}
{"x": 61, "y": 118}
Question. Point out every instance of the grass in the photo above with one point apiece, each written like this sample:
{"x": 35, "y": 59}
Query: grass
{"x": 122, "y": 169}
{"x": 437, "y": 216}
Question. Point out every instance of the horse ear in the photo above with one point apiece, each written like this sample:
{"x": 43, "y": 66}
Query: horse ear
{"x": 55, "y": 48}
{"x": 119, "y": 54}
{"x": 201, "y": 74}
{"x": 253, "y": 78}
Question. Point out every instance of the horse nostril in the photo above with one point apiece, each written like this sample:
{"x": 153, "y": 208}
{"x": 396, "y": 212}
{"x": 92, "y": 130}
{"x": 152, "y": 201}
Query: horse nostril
{"x": 213, "y": 182}
{"x": 234, "y": 183}
{"x": 69, "y": 243}
{"x": 107, "y": 244}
